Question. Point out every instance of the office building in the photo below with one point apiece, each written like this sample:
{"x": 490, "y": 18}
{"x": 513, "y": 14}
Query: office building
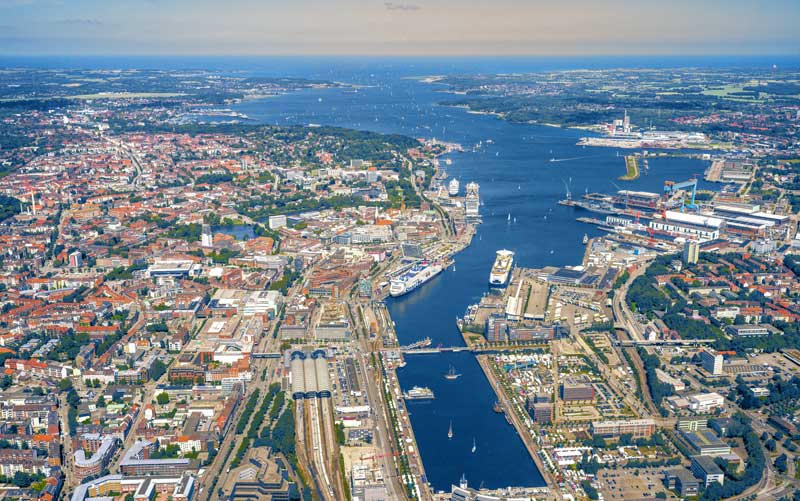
{"x": 682, "y": 481}
{"x": 711, "y": 362}
{"x": 575, "y": 389}
{"x": 707, "y": 470}
{"x": 703, "y": 403}
{"x": 540, "y": 408}
{"x": 638, "y": 428}
{"x": 750, "y": 330}
{"x": 691, "y": 423}
{"x": 706, "y": 443}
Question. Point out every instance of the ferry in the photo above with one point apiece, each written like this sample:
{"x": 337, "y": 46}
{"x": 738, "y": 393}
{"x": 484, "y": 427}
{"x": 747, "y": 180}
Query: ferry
{"x": 419, "y": 393}
{"x": 413, "y": 278}
{"x": 501, "y": 268}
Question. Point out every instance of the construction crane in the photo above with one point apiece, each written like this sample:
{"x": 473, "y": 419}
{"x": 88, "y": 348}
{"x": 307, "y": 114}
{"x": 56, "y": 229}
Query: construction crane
{"x": 672, "y": 187}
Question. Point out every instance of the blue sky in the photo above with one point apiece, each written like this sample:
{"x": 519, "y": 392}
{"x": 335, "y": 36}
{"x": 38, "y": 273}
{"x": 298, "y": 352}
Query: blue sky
{"x": 399, "y": 27}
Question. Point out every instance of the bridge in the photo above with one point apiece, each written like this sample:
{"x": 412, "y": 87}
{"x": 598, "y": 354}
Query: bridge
{"x": 428, "y": 351}
{"x": 265, "y": 355}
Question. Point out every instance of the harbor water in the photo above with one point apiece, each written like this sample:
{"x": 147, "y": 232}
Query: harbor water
{"x": 516, "y": 176}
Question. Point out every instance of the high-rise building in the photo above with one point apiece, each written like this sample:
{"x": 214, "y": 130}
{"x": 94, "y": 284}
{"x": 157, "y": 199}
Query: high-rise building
{"x": 691, "y": 251}
{"x": 711, "y": 361}
{"x": 206, "y": 237}
{"x": 75, "y": 259}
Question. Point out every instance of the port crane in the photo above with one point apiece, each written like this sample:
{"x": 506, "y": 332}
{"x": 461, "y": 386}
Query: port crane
{"x": 672, "y": 187}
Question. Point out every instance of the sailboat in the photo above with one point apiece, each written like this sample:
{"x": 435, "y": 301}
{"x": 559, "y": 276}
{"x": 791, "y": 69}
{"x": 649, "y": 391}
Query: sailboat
{"x": 452, "y": 374}
{"x": 474, "y": 445}
{"x": 450, "y": 430}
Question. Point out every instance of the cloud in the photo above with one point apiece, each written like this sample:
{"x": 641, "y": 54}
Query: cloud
{"x": 401, "y": 6}
{"x": 81, "y": 22}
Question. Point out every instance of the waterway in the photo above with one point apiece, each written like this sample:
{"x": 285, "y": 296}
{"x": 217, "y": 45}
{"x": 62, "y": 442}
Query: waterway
{"x": 516, "y": 177}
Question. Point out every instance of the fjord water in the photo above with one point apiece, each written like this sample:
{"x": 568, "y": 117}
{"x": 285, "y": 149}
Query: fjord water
{"x": 516, "y": 177}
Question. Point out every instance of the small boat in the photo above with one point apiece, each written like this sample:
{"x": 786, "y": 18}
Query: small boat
{"x": 452, "y": 374}
{"x": 496, "y": 407}
{"x": 585, "y": 238}
{"x": 474, "y": 445}
{"x": 509, "y": 217}
{"x": 450, "y": 430}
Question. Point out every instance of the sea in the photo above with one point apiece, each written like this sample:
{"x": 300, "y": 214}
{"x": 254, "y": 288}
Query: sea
{"x": 516, "y": 179}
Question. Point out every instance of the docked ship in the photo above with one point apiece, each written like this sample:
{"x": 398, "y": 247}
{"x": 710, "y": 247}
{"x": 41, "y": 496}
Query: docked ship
{"x": 413, "y": 278}
{"x": 419, "y": 393}
{"x": 501, "y": 268}
{"x": 472, "y": 203}
{"x": 452, "y": 187}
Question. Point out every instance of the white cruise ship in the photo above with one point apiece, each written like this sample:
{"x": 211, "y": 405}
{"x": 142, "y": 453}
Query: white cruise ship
{"x": 473, "y": 201}
{"x": 501, "y": 268}
{"x": 453, "y": 186}
{"x": 413, "y": 278}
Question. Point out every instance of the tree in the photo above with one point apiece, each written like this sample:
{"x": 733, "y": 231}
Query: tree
{"x": 781, "y": 463}
{"x": 65, "y": 384}
{"x": 158, "y": 369}
{"x": 162, "y": 398}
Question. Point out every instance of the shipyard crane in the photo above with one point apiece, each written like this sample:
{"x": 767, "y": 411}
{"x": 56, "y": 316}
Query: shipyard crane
{"x": 672, "y": 187}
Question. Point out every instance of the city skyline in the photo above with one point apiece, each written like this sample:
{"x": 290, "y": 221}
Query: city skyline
{"x": 403, "y": 27}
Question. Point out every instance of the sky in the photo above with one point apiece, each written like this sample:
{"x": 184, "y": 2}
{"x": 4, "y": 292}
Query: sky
{"x": 399, "y": 27}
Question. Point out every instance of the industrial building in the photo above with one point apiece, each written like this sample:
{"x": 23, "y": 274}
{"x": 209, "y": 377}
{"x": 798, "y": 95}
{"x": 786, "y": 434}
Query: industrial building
{"x": 703, "y": 228}
{"x": 310, "y": 377}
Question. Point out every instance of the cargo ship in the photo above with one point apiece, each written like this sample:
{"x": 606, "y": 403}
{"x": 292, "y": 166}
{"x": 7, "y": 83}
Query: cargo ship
{"x": 418, "y": 393}
{"x": 413, "y": 278}
{"x": 501, "y": 268}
